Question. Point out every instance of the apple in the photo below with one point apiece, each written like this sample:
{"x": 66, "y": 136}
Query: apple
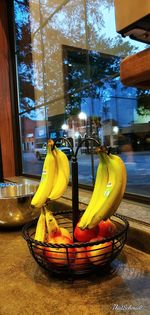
{"x": 81, "y": 259}
{"x": 99, "y": 254}
{"x": 85, "y": 235}
{"x": 60, "y": 256}
{"x": 106, "y": 228}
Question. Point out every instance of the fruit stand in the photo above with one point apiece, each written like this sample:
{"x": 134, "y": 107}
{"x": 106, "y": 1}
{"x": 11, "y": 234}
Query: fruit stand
{"x": 65, "y": 248}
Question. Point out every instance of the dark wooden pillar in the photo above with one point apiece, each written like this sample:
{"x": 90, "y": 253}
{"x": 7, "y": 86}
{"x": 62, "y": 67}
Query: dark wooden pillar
{"x": 6, "y": 126}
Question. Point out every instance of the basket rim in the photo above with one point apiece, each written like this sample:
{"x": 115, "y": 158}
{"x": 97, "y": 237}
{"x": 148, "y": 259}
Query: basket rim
{"x": 29, "y": 239}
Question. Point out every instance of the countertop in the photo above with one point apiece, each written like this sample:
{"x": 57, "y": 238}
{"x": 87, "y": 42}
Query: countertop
{"x": 127, "y": 208}
{"x": 25, "y": 288}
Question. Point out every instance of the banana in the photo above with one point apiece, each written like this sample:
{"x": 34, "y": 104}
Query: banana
{"x": 98, "y": 192}
{"x": 40, "y": 232}
{"x": 62, "y": 176}
{"x": 52, "y": 226}
{"x": 47, "y": 179}
{"x": 124, "y": 182}
{"x": 111, "y": 193}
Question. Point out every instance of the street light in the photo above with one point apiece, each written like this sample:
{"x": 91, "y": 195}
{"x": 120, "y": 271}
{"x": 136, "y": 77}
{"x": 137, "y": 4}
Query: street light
{"x": 82, "y": 116}
{"x": 115, "y": 130}
{"x": 64, "y": 127}
{"x": 77, "y": 134}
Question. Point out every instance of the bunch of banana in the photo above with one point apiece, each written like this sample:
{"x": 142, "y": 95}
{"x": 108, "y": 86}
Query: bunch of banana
{"x": 124, "y": 182}
{"x": 53, "y": 229}
{"x": 108, "y": 191}
{"x": 55, "y": 176}
{"x": 98, "y": 192}
{"x": 47, "y": 178}
{"x": 62, "y": 175}
{"x": 46, "y": 228}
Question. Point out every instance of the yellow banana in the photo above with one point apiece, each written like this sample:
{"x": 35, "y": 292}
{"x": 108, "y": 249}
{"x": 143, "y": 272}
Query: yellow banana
{"x": 47, "y": 179}
{"x": 103, "y": 208}
{"x": 98, "y": 192}
{"x": 63, "y": 175}
{"x": 124, "y": 181}
{"x": 52, "y": 225}
{"x": 40, "y": 232}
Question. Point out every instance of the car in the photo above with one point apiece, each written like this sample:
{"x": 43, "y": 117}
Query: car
{"x": 41, "y": 150}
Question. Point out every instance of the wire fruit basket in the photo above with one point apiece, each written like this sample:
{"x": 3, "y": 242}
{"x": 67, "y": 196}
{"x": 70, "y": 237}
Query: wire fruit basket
{"x": 77, "y": 258}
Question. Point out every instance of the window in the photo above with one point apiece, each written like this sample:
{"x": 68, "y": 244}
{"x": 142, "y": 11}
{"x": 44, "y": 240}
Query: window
{"x": 68, "y": 55}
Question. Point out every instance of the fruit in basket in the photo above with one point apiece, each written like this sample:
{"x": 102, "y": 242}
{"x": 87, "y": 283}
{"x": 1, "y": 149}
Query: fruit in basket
{"x": 47, "y": 178}
{"x": 107, "y": 228}
{"x": 85, "y": 235}
{"x": 52, "y": 226}
{"x": 81, "y": 260}
{"x": 65, "y": 232}
{"x": 60, "y": 256}
{"x": 108, "y": 191}
{"x": 99, "y": 254}
{"x": 56, "y": 235}
{"x": 62, "y": 174}
{"x": 40, "y": 233}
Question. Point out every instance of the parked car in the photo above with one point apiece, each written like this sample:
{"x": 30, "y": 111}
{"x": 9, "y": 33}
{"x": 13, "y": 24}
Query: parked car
{"x": 41, "y": 150}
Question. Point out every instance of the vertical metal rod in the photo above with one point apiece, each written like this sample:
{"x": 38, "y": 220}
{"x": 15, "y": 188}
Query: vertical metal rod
{"x": 75, "y": 197}
{"x": 92, "y": 164}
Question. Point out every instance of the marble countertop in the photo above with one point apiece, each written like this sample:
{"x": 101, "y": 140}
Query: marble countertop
{"x": 26, "y": 288}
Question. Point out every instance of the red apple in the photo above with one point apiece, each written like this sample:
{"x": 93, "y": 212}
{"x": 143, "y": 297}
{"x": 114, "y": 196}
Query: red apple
{"x": 81, "y": 259}
{"x": 99, "y": 254}
{"x": 60, "y": 256}
{"x": 107, "y": 228}
{"x": 85, "y": 235}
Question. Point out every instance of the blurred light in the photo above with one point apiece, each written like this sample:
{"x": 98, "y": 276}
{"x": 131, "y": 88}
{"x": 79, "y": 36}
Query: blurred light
{"x": 64, "y": 127}
{"x": 116, "y": 129}
{"x": 76, "y": 134}
{"x": 82, "y": 116}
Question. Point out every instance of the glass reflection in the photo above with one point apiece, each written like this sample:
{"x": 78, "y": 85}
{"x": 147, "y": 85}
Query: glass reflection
{"x": 68, "y": 58}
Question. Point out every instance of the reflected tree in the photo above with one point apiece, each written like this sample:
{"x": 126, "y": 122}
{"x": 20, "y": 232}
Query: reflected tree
{"x": 143, "y": 99}
{"x": 89, "y": 68}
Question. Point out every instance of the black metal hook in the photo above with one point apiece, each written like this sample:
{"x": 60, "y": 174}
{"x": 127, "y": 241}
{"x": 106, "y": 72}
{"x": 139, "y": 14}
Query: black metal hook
{"x": 67, "y": 140}
{"x": 75, "y": 192}
{"x": 86, "y": 139}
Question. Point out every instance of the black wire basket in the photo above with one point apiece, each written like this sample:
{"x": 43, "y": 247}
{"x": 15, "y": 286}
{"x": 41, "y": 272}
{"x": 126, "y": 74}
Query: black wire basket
{"x": 77, "y": 258}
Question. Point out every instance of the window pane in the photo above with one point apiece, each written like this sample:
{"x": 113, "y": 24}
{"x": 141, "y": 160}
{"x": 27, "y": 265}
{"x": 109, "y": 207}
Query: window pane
{"x": 33, "y": 127}
{"x": 68, "y": 60}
